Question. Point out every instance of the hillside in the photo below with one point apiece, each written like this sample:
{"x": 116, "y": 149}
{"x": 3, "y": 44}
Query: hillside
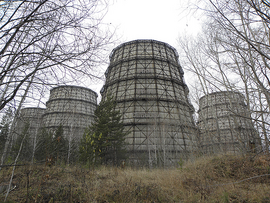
{"x": 208, "y": 179}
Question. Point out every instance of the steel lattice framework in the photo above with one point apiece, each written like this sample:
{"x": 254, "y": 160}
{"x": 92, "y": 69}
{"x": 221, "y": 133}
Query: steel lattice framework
{"x": 31, "y": 116}
{"x": 72, "y": 107}
{"x": 145, "y": 78}
{"x": 225, "y": 124}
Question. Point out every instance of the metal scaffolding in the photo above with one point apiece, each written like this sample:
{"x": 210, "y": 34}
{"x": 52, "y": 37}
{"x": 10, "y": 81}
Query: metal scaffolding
{"x": 31, "y": 116}
{"x": 72, "y": 107}
{"x": 225, "y": 124}
{"x": 146, "y": 80}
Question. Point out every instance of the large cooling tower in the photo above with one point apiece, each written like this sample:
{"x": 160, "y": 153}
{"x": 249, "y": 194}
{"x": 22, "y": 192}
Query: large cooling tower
{"x": 31, "y": 117}
{"x": 72, "y": 107}
{"x": 145, "y": 78}
{"x": 226, "y": 125}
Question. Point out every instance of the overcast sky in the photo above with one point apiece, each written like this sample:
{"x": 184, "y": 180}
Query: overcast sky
{"x": 150, "y": 19}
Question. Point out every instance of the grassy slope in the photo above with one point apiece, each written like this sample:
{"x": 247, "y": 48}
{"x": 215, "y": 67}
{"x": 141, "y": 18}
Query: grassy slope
{"x": 208, "y": 179}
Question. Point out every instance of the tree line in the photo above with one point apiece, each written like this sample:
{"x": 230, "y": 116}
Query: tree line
{"x": 45, "y": 43}
{"x": 231, "y": 53}
{"x": 103, "y": 141}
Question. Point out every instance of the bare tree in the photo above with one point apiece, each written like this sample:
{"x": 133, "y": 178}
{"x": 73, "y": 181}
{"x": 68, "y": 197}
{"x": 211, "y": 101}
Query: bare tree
{"x": 246, "y": 34}
{"x": 232, "y": 53}
{"x": 49, "y": 42}
{"x": 45, "y": 43}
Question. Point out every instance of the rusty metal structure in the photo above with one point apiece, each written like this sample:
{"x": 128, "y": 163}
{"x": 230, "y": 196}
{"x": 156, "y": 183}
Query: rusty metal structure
{"x": 72, "y": 107}
{"x": 225, "y": 124}
{"x": 147, "y": 82}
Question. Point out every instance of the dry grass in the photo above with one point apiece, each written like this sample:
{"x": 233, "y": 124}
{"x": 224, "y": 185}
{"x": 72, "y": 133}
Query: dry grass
{"x": 208, "y": 179}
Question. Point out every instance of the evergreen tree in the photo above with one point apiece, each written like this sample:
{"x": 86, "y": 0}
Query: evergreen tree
{"x": 52, "y": 146}
{"x": 4, "y": 129}
{"x": 104, "y": 140}
{"x": 24, "y": 140}
{"x": 44, "y": 146}
{"x": 90, "y": 148}
{"x": 60, "y": 145}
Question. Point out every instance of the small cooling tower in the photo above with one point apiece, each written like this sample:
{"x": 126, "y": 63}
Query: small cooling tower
{"x": 145, "y": 78}
{"x": 72, "y": 107}
{"x": 32, "y": 117}
{"x": 226, "y": 125}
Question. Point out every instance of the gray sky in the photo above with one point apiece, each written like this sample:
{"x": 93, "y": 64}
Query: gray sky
{"x": 150, "y": 19}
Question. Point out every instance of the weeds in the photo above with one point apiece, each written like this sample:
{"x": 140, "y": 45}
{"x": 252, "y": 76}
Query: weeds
{"x": 208, "y": 179}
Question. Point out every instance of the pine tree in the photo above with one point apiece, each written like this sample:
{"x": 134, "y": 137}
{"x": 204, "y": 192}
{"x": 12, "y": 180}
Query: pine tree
{"x": 4, "y": 129}
{"x": 52, "y": 146}
{"x": 24, "y": 140}
{"x": 44, "y": 146}
{"x": 106, "y": 134}
{"x": 90, "y": 148}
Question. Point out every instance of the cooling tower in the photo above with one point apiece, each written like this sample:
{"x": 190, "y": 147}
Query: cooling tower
{"x": 146, "y": 80}
{"x": 225, "y": 124}
{"x": 72, "y": 107}
{"x": 32, "y": 117}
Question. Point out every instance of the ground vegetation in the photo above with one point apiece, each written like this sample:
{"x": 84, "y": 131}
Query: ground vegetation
{"x": 226, "y": 178}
